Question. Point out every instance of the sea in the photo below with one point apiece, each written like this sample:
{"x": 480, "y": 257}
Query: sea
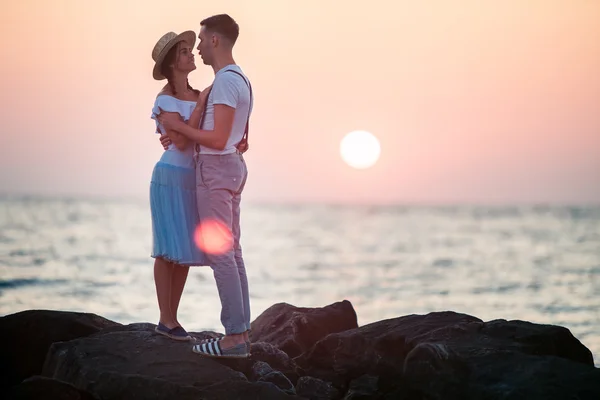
{"x": 535, "y": 263}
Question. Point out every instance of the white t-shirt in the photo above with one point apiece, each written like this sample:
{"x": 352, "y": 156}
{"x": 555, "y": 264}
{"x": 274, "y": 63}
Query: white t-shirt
{"x": 232, "y": 90}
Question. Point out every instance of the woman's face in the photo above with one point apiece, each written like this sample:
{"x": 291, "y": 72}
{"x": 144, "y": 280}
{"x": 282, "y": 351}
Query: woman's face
{"x": 185, "y": 58}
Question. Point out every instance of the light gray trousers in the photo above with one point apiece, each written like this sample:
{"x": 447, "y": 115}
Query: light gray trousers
{"x": 220, "y": 180}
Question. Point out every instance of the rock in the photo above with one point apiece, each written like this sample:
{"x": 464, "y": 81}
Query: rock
{"x": 27, "y": 336}
{"x": 262, "y": 353}
{"x": 39, "y": 387}
{"x": 316, "y": 389}
{"x": 295, "y": 330}
{"x": 537, "y": 339}
{"x": 434, "y": 368}
{"x": 262, "y": 372}
{"x": 279, "y": 380}
{"x": 441, "y": 355}
{"x": 363, "y": 388}
{"x": 455, "y": 356}
{"x": 277, "y": 359}
{"x": 260, "y": 369}
{"x": 523, "y": 376}
{"x": 378, "y": 348}
{"x": 135, "y": 362}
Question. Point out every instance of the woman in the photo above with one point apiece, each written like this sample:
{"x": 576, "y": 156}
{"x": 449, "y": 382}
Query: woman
{"x": 172, "y": 189}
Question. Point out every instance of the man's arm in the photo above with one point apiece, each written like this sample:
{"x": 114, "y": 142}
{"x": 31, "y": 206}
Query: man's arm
{"x": 225, "y": 94}
{"x": 216, "y": 139}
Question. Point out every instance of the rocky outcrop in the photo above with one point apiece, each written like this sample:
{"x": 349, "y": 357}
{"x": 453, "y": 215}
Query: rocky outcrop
{"x": 295, "y": 330}
{"x": 456, "y": 356}
{"x": 315, "y": 354}
{"x": 39, "y": 387}
{"x": 27, "y": 336}
{"x": 135, "y": 362}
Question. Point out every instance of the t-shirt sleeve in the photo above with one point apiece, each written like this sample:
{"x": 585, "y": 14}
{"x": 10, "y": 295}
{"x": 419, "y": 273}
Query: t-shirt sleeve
{"x": 226, "y": 90}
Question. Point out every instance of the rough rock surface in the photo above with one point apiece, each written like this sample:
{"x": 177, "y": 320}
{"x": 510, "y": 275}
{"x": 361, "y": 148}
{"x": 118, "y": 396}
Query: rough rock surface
{"x": 441, "y": 355}
{"x": 295, "y": 330}
{"x": 27, "y": 336}
{"x": 39, "y": 387}
{"x": 457, "y": 356}
{"x": 134, "y": 361}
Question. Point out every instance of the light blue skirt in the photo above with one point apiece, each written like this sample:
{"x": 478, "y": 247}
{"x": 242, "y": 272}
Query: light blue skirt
{"x": 174, "y": 215}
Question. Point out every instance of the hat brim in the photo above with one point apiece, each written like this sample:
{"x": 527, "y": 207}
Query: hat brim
{"x": 187, "y": 36}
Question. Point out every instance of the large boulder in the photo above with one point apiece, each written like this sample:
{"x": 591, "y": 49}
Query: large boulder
{"x": 537, "y": 339}
{"x": 296, "y": 329}
{"x": 39, "y": 387}
{"x": 380, "y": 348}
{"x": 27, "y": 336}
{"x": 135, "y": 362}
{"x": 446, "y": 355}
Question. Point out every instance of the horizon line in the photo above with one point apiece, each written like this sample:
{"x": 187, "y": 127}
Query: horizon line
{"x": 306, "y": 202}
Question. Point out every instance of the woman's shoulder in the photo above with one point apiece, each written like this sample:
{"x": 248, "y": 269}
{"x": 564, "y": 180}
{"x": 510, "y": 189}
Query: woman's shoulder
{"x": 165, "y": 101}
{"x": 170, "y": 97}
{"x": 165, "y": 91}
{"x": 165, "y": 95}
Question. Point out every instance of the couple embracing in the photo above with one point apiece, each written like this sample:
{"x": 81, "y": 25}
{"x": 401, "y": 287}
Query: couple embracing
{"x": 200, "y": 178}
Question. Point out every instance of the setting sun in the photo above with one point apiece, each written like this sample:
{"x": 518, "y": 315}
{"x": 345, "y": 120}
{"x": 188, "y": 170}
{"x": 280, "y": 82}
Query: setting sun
{"x": 360, "y": 149}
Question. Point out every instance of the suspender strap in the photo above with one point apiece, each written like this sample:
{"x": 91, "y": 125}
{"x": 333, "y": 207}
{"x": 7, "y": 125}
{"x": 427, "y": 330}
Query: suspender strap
{"x": 245, "y": 137}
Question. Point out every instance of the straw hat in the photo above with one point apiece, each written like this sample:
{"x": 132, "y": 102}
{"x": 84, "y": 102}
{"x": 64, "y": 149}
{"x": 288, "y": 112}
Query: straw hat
{"x": 166, "y": 43}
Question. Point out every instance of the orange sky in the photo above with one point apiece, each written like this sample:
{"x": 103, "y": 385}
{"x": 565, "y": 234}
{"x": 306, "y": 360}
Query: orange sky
{"x": 473, "y": 101}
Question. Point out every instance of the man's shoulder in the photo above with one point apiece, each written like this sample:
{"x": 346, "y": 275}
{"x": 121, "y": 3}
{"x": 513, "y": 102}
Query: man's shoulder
{"x": 232, "y": 74}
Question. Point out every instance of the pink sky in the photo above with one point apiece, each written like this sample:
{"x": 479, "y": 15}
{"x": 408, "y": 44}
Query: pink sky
{"x": 477, "y": 102}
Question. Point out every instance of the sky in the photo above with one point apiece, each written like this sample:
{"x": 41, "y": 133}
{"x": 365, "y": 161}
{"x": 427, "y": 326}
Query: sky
{"x": 487, "y": 102}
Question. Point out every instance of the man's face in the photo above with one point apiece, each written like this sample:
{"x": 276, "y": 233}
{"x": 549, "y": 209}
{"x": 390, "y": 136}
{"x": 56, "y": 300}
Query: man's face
{"x": 206, "y": 46}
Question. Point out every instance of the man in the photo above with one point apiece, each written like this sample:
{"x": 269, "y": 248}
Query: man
{"x": 221, "y": 176}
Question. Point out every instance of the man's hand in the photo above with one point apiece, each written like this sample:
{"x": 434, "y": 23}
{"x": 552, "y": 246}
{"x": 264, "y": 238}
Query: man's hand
{"x": 165, "y": 140}
{"x": 203, "y": 97}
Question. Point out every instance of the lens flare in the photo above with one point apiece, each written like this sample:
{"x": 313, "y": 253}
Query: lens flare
{"x": 213, "y": 237}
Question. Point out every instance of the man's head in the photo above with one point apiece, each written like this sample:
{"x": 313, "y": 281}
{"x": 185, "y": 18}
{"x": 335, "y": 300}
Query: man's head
{"x": 217, "y": 37}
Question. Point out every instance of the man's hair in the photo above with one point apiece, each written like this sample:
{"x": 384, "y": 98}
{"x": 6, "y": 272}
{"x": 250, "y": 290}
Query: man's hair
{"x": 222, "y": 24}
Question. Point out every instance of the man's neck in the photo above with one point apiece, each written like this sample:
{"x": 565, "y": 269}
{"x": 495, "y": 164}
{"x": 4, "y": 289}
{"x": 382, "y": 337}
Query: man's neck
{"x": 222, "y": 62}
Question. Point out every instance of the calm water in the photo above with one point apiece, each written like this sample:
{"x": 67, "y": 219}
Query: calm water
{"x": 540, "y": 264}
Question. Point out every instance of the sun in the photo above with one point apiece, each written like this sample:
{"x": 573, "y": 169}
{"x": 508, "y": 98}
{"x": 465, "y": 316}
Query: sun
{"x": 360, "y": 149}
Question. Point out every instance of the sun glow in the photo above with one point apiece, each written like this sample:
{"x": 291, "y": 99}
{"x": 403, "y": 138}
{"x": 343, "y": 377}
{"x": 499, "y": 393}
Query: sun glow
{"x": 360, "y": 149}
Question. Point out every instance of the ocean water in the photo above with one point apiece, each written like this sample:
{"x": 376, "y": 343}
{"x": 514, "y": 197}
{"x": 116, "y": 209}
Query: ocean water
{"x": 540, "y": 264}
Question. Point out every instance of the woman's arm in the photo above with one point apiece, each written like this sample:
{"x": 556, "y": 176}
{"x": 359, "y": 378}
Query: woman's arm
{"x": 179, "y": 140}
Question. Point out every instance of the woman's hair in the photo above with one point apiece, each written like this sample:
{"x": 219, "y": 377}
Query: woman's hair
{"x": 165, "y": 68}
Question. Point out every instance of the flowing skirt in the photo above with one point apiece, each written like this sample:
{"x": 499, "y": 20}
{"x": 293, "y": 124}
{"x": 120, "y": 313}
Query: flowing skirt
{"x": 175, "y": 215}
